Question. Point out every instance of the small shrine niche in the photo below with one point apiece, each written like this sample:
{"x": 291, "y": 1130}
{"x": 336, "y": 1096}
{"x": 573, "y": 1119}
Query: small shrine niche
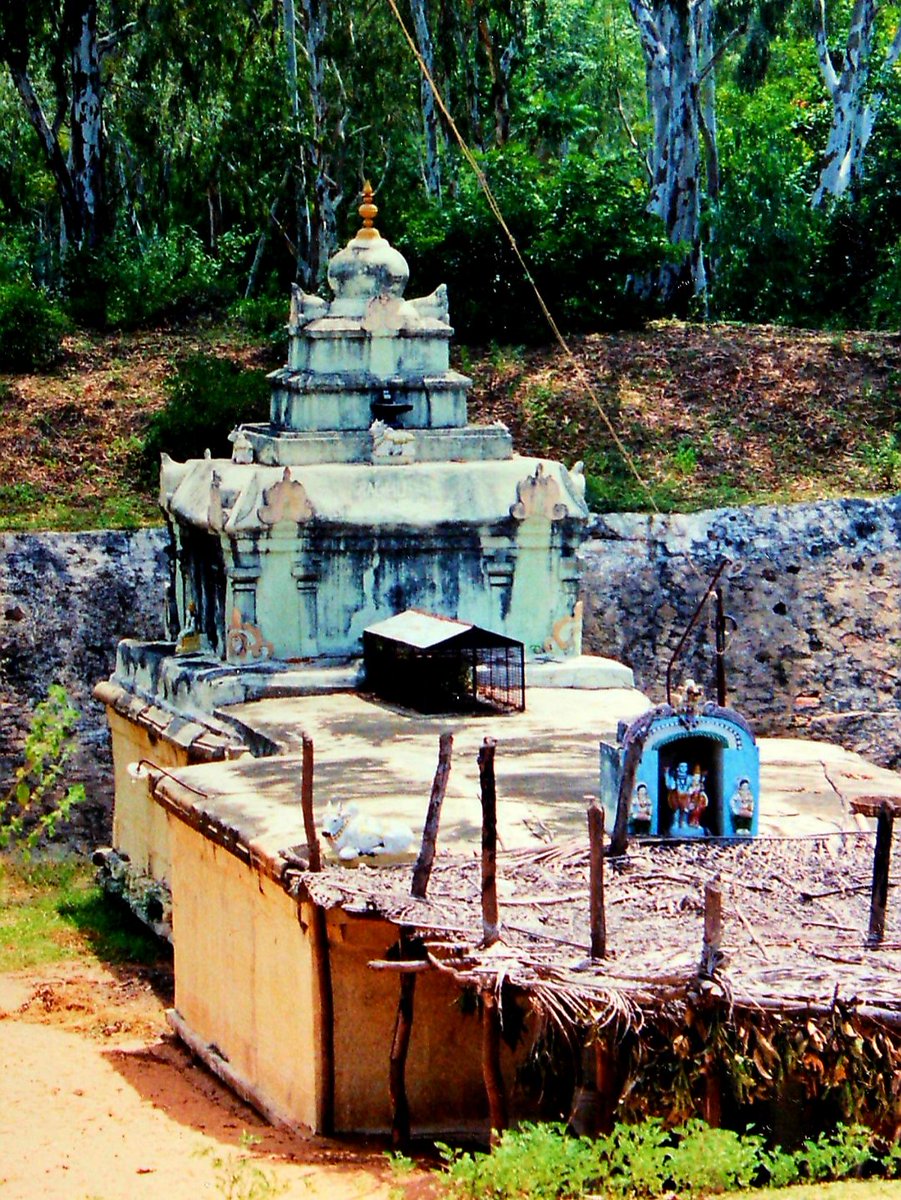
{"x": 434, "y": 664}
{"x": 689, "y": 770}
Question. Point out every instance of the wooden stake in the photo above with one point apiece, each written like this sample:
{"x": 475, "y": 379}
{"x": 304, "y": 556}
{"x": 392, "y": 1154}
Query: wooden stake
{"x": 881, "y": 862}
{"x": 325, "y": 1014}
{"x": 605, "y": 1082}
{"x": 423, "y": 869}
{"x": 713, "y": 929}
{"x": 306, "y": 803}
{"x": 596, "y": 885}
{"x": 490, "y": 917}
{"x": 403, "y": 1022}
{"x": 491, "y": 1064}
{"x": 397, "y": 1065}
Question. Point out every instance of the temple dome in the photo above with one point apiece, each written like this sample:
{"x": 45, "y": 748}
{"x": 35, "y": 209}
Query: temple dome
{"x": 368, "y": 267}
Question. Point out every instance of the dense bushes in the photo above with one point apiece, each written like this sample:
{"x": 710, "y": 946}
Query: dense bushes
{"x": 31, "y": 328}
{"x": 580, "y": 225}
{"x": 207, "y": 398}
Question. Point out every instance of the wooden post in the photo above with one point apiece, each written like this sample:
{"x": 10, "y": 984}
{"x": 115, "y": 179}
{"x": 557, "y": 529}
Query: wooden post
{"x": 881, "y": 862}
{"x": 400, "y": 1044}
{"x": 423, "y": 869}
{"x": 306, "y": 803}
{"x": 325, "y": 1014}
{"x": 620, "y": 836}
{"x": 605, "y": 1081}
{"x": 403, "y": 1022}
{"x": 596, "y": 878}
{"x": 490, "y": 917}
{"x": 713, "y": 929}
{"x": 491, "y": 1064}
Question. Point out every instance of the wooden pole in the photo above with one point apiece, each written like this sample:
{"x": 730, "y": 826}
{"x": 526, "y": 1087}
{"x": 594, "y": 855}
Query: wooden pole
{"x": 620, "y": 835}
{"x": 720, "y": 642}
{"x": 881, "y": 862}
{"x": 325, "y": 1013}
{"x": 713, "y": 929}
{"x": 423, "y": 869}
{"x": 490, "y": 916}
{"x": 491, "y": 1065}
{"x": 397, "y": 1066}
{"x": 596, "y": 877}
{"x": 403, "y": 1022}
{"x": 306, "y": 803}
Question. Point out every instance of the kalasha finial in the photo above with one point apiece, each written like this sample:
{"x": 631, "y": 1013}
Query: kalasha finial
{"x": 368, "y": 212}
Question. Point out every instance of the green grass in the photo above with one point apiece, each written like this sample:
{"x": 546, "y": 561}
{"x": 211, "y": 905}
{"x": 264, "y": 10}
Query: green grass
{"x": 53, "y": 910}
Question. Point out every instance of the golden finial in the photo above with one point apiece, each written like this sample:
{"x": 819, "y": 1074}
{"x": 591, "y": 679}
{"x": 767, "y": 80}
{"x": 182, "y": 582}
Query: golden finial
{"x": 368, "y": 212}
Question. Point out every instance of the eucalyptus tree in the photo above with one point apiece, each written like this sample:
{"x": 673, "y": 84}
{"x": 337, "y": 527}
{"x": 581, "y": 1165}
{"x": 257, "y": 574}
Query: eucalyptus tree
{"x": 57, "y": 50}
{"x": 855, "y": 100}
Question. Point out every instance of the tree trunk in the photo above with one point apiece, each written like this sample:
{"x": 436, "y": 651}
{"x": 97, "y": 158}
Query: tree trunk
{"x": 86, "y": 132}
{"x": 853, "y": 110}
{"x": 323, "y": 224}
{"x": 432, "y": 163}
{"x": 670, "y": 33}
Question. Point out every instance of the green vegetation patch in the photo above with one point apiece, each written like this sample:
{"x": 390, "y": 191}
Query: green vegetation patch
{"x": 53, "y": 910}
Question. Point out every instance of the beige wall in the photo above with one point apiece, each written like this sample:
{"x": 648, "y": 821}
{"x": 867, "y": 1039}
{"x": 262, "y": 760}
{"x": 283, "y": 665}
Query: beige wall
{"x": 244, "y": 982}
{"x": 141, "y": 827}
{"x": 243, "y": 972}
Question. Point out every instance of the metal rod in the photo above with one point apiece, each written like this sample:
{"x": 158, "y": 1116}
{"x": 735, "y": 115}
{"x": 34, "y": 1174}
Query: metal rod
{"x": 727, "y": 562}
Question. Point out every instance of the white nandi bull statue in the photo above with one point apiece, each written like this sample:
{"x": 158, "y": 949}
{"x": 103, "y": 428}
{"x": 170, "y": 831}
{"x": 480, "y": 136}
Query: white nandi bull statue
{"x": 352, "y": 834}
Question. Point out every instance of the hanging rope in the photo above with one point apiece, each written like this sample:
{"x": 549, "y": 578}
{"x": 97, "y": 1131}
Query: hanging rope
{"x": 499, "y": 217}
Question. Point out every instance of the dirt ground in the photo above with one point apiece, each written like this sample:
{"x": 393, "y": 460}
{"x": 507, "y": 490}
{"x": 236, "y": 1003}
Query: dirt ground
{"x": 100, "y": 1102}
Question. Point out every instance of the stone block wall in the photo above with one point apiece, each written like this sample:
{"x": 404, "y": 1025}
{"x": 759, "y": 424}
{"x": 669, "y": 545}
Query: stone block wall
{"x": 814, "y": 593}
{"x": 66, "y": 600}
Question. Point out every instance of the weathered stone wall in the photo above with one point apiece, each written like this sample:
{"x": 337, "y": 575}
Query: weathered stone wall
{"x": 65, "y": 602}
{"x": 814, "y": 591}
{"x": 815, "y": 594}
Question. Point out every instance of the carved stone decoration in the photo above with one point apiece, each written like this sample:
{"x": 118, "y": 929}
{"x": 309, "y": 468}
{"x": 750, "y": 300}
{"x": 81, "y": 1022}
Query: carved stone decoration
{"x": 285, "y": 501}
{"x": 216, "y": 514}
{"x": 565, "y": 632}
{"x": 304, "y": 307}
{"x": 538, "y": 495}
{"x": 242, "y": 448}
{"x": 392, "y": 446}
{"x": 245, "y": 640}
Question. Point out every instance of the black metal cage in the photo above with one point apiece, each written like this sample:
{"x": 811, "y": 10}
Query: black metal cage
{"x": 434, "y": 664}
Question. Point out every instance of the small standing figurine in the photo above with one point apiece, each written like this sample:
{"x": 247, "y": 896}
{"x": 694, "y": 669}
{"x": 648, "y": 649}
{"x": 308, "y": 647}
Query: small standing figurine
{"x": 687, "y": 798}
{"x": 742, "y": 807}
{"x": 640, "y": 809}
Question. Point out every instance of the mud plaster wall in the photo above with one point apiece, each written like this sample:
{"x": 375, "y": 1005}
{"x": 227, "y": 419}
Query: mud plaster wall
{"x": 817, "y": 602}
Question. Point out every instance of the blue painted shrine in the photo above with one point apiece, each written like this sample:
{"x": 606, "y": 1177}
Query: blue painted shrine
{"x": 697, "y": 772}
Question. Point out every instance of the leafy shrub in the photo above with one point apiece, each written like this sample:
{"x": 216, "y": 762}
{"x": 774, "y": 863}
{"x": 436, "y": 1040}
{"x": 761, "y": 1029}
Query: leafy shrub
{"x": 580, "y": 225}
{"x": 165, "y": 275}
{"x": 207, "y": 398}
{"x": 648, "y": 1160}
{"x": 31, "y": 328}
{"x": 35, "y": 803}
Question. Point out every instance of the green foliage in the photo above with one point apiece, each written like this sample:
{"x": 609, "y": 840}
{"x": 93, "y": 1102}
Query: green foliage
{"x": 36, "y": 801}
{"x": 31, "y": 328}
{"x": 168, "y": 275}
{"x": 207, "y": 398}
{"x": 544, "y": 1162}
{"x": 580, "y": 225}
{"x": 238, "y": 1177}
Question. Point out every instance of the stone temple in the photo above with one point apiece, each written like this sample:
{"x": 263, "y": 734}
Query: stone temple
{"x": 367, "y": 493}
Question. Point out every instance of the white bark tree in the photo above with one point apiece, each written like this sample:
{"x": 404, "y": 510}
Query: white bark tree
{"x": 78, "y": 174}
{"x": 854, "y": 104}
{"x": 673, "y": 35}
{"x": 431, "y": 131}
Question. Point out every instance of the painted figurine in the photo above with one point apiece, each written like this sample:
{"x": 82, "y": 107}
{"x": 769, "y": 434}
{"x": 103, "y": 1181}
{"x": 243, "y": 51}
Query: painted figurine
{"x": 742, "y": 807}
{"x": 640, "y": 809}
{"x": 687, "y": 799}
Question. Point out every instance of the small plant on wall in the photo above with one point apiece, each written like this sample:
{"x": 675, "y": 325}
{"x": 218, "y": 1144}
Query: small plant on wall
{"x": 37, "y": 801}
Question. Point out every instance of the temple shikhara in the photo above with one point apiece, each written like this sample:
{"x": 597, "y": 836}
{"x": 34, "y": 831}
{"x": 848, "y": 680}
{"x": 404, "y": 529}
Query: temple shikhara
{"x": 370, "y": 580}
